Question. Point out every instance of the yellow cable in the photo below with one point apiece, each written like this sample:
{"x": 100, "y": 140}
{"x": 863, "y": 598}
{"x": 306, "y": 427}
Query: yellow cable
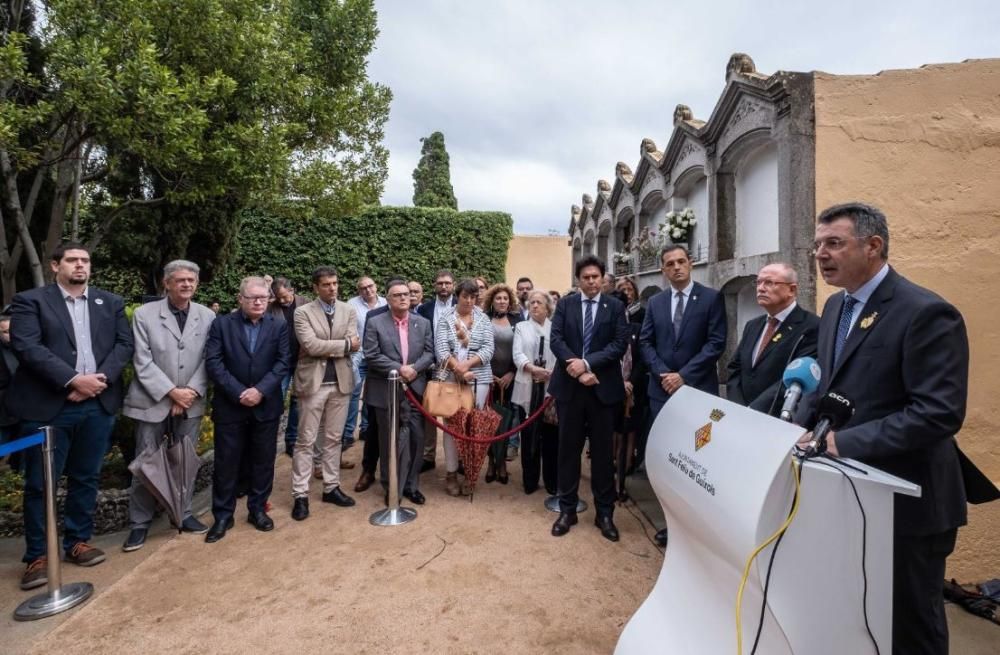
{"x": 746, "y": 569}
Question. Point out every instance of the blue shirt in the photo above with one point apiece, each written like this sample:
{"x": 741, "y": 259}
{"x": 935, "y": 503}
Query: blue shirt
{"x": 252, "y": 330}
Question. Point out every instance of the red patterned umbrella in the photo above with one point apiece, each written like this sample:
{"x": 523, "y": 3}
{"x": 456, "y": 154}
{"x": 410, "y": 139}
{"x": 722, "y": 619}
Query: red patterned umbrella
{"x": 482, "y": 426}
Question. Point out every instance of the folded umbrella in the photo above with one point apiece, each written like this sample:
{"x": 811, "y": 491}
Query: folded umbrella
{"x": 168, "y": 470}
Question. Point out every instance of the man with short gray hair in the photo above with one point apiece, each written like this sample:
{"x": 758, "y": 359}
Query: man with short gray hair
{"x": 170, "y": 384}
{"x": 769, "y": 342}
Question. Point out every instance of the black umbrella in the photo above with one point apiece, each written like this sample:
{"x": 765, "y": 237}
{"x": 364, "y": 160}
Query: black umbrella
{"x": 168, "y": 470}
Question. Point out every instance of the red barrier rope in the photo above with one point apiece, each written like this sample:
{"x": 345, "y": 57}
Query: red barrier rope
{"x": 433, "y": 419}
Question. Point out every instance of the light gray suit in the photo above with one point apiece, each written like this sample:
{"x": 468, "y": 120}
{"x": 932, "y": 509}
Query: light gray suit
{"x": 383, "y": 353}
{"x": 164, "y": 358}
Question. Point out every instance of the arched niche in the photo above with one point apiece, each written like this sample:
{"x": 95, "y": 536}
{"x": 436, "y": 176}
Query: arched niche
{"x": 747, "y": 217}
{"x": 603, "y": 236}
{"x": 691, "y": 190}
{"x": 589, "y": 241}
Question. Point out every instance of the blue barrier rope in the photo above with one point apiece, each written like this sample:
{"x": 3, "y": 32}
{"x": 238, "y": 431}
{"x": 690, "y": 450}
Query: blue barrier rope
{"x": 22, "y": 443}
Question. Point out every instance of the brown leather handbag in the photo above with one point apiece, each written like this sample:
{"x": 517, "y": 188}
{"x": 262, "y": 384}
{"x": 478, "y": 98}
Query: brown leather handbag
{"x": 445, "y": 398}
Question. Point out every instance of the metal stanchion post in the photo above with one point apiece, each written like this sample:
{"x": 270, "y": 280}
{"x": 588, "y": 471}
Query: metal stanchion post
{"x": 393, "y": 514}
{"x": 552, "y": 504}
{"x": 58, "y": 597}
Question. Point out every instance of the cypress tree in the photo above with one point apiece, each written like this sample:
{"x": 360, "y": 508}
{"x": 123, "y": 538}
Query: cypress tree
{"x": 432, "y": 176}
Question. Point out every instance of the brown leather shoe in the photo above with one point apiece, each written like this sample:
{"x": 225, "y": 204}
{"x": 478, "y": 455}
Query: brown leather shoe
{"x": 36, "y": 574}
{"x": 366, "y": 480}
{"x": 83, "y": 554}
{"x": 344, "y": 464}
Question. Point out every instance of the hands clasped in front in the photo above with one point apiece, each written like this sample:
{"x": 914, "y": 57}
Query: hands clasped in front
{"x": 86, "y": 386}
{"x": 577, "y": 368}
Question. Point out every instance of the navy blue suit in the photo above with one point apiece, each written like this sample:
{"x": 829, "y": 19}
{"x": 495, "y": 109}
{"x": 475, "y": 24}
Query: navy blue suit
{"x": 588, "y": 411}
{"x": 232, "y": 368}
{"x": 693, "y": 353}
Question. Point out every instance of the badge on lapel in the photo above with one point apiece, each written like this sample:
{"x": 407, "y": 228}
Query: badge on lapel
{"x": 867, "y": 321}
{"x": 776, "y": 338}
{"x": 98, "y": 301}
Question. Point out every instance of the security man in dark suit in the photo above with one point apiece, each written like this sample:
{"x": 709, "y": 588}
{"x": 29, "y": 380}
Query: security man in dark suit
{"x": 72, "y": 341}
{"x": 246, "y": 357}
{"x": 589, "y": 337}
{"x": 769, "y": 342}
{"x": 901, "y": 353}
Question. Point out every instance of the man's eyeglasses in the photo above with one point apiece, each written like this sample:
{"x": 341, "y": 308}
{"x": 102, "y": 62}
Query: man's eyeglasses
{"x": 401, "y": 294}
{"x": 831, "y": 244}
{"x": 365, "y": 287}
{"x": 255, "y": 299}
{"x": 770, "y": 284}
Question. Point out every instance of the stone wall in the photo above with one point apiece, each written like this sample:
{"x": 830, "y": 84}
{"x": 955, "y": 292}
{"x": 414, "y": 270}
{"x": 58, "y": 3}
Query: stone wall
{"x": 547, "y": 260}
{"x": 924, "y": 146}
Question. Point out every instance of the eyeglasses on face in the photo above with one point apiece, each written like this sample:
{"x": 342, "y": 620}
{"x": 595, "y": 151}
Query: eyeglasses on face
{"x": 832, "y": 244}
{"x": 401, "y": 294}
{"x": 255, "y": 299}
{"x": 770, "y": 284}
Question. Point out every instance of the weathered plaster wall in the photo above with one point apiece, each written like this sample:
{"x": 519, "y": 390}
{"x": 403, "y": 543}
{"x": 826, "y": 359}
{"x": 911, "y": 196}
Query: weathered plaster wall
{"x": 548, "y": 261}
{"x": 924, "y": 146}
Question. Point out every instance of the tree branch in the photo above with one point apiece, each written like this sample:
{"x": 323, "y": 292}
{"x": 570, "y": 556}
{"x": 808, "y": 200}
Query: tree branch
{"x": 105, "y": 225}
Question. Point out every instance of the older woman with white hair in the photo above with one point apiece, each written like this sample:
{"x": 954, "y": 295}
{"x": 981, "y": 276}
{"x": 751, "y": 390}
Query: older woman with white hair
{"x": 534, "y": 361}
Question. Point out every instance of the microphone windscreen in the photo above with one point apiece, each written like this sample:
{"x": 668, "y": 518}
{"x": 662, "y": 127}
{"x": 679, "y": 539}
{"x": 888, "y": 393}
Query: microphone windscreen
{"x": 836, "y": 408}
{"x": 803, "y": 371}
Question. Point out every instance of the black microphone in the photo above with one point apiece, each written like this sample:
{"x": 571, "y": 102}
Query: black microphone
{"x": 834, "y": 411}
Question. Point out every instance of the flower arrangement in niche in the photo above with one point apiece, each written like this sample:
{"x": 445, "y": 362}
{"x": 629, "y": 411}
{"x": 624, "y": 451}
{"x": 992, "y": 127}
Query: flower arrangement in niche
{"x": 622, "y": 257}
{"x": 678, "y": 225}
{"x": 647, "y": 243}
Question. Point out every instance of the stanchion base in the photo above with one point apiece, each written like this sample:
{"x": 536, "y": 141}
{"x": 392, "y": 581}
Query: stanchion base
{"x": 552, "y": 504}
{"x": 66, "y": 597}
{"x": 393, "y": 516}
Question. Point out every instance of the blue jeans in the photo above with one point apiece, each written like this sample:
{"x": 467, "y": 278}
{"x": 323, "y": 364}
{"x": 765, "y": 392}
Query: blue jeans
{"x": 292, "y": 428}
{"x": 352, "y": 409}
{"x": 81, "y": 435}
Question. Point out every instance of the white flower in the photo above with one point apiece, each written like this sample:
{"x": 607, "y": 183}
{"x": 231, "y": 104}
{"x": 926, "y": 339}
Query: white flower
{"x": 692, "y": 221}
{"x": 676, "y": 234}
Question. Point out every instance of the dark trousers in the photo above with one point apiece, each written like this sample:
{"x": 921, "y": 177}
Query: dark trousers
{"x": 369, "y": 460}
{"x": 82, "y": 431}
{"x": 539, "y": 455}
{"x": 580, "y": 416}
{"x": 257, "y": 440}
{"x": 409, "y": 445}
{"x": 919, "y": 626}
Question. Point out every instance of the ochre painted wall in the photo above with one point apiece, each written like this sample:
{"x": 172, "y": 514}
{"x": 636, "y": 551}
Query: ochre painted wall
{"x": 924, "y": 146}
{"x": 546, "y": 260}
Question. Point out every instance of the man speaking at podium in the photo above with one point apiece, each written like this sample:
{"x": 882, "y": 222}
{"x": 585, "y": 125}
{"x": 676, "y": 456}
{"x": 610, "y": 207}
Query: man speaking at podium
{"x": 902, "y": 354}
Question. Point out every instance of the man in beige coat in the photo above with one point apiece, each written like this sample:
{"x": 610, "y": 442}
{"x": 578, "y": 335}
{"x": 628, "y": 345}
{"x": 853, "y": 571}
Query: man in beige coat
{"x": 327, "y": 332}
{"x": 170, "y": 382}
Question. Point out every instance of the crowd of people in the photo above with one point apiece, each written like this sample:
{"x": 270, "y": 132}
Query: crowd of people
{"x": 610, "y": 363}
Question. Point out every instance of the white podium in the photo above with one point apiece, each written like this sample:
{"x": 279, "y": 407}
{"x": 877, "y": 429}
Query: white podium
{"x": 723, "y": 476}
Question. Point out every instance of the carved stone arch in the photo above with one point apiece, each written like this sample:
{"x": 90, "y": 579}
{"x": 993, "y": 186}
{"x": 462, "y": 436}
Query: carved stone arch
{"x": 605, "y": 244}
{"x": 726, "y": 229}
{"x": 687, "y": 178}
{"x": 624, "y": 224}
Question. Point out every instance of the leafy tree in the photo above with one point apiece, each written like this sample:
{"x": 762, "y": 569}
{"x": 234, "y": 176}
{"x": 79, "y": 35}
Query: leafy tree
{"x": 432, "y": 176}
{"x": 164, "y": 117}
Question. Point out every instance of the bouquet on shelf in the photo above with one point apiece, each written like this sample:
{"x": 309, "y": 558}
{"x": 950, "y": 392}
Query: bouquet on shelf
{"x": 678, "y": 225}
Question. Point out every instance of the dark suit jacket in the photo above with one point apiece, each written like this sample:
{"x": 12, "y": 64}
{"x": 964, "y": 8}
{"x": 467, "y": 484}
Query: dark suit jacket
{"x": 696, "y": 351}
{"x": 232, "y": 368}
{"x": 382, "y": 352}
{"x": 758, "y": 386}
{"x": 607, "y": 346}
{"x": 905, "y": 366}
{"x": 41, "y": 334}
{"x": 427, "y": 311}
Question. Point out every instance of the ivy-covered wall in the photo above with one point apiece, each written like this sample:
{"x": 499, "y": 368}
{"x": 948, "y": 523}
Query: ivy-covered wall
{"x": 381, "y": 242}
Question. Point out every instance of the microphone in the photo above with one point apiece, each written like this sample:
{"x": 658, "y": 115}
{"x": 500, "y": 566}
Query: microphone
{"x": 834, "y": 411}
{"x": 800, "y": 377}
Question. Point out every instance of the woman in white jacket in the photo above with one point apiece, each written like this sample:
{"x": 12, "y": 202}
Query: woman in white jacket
{"x": 535, "y": 361}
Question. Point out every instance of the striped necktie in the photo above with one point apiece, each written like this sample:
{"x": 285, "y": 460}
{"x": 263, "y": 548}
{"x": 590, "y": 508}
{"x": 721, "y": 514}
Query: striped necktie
{"x": 588, "y": 325}
{"x": 844, "y": 326}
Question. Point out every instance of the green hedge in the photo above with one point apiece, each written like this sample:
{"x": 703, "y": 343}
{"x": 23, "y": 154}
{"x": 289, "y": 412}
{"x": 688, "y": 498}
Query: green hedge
{"x": 413, "y": 242}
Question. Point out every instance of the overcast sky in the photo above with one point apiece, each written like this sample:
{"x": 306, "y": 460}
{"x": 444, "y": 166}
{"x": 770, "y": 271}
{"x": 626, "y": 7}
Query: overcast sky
{"x": 538, "y": 99}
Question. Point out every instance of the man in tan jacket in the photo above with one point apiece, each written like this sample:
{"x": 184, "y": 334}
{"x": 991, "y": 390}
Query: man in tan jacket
{"x": 327, "y": 332}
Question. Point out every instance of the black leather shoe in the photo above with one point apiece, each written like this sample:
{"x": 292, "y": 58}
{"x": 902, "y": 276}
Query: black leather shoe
{"x": 661, "y": 538}
{"x": 261, "y": 521}
{"x": 607, "y": 527}
{"x": 218, "y": 530}
{"x": 300, "y": 511}
{"x": 136, "y": 540}
{"x": 428, "y": 465}
{"x": 193, "y": 525}
{"x": 338, "y": 498}
{"x": 415, "y": 496}
{"x": 562, "y": 525}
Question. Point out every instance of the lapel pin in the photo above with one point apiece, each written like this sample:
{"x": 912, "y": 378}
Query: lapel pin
{"x": 867, "y": 321}
{"x": 776, "y": 338}
{"x": 694, "y": 297}
{"x": 98, "y": 301}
